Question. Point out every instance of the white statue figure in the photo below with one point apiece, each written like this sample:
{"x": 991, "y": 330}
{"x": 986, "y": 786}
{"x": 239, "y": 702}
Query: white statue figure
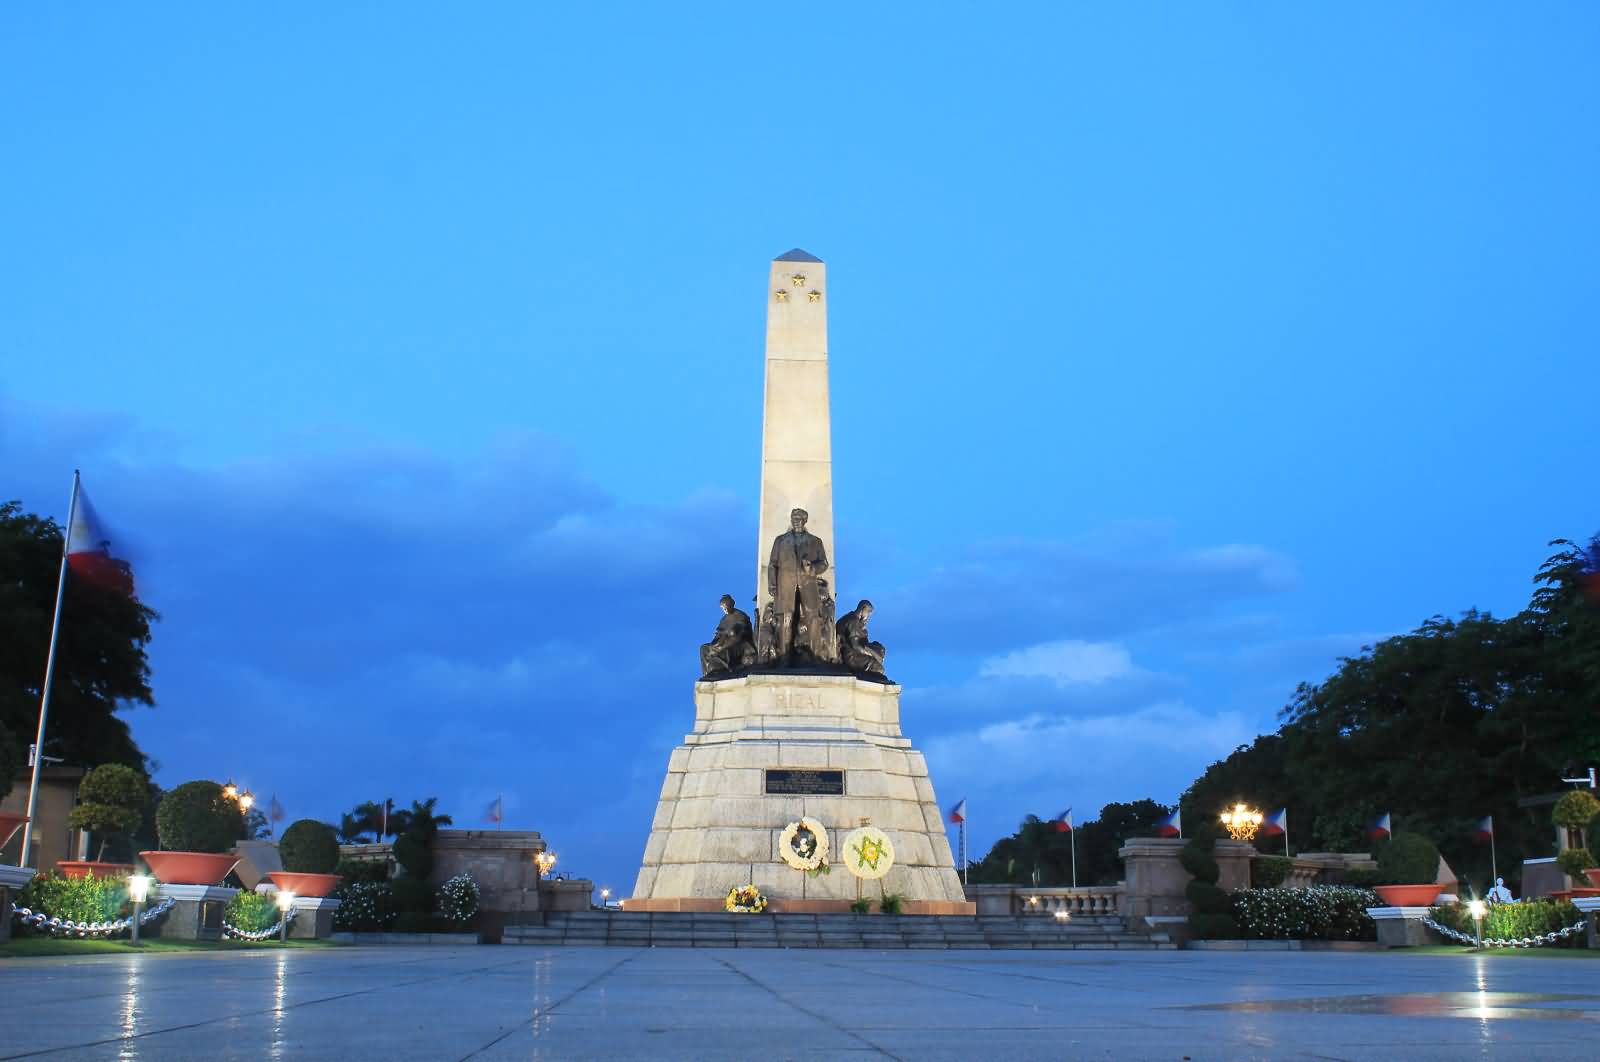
{"x": 1500, "y": 894}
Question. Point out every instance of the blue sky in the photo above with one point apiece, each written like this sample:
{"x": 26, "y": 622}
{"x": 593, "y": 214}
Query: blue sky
{"x": 418, "y": 356}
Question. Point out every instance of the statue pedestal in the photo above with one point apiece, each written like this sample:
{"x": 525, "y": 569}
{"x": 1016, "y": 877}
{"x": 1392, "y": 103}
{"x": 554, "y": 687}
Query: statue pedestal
{"x": 197, "y": 914}
{"x": 770, "y": 748}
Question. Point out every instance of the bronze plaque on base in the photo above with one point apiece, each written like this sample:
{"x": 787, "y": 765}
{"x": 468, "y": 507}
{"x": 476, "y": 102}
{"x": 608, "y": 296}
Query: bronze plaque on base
{"x": 800, "y": 781}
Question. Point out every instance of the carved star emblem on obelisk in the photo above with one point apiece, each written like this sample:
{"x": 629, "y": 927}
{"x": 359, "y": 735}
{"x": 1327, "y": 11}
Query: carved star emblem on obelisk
{"x": 783, "y": 296}
{"x": 814, "y": 295}
{"x": 798, "y": 280}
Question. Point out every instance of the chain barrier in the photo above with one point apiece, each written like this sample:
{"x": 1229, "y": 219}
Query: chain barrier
{"x": 232, "y": 932}
{"x": 57, "y": 927}
{"x": 1539, "y": 940}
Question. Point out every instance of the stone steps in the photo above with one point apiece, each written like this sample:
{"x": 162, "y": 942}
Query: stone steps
{"x": 881, "y": 932}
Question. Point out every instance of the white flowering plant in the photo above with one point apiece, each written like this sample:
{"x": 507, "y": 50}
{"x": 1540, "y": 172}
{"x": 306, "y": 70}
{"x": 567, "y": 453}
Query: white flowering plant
{"x": 366, "y": 906}
{"x": 458, "y": 898}
{"x": 1321, "y": 912}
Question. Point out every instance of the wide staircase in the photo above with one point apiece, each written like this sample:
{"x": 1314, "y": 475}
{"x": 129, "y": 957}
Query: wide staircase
{"x": 640, "y": 929}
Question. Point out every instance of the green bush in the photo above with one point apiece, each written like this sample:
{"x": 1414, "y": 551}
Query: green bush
{"x": 85, "y": 899}
{"x": 861, "y": 906}
{"x": 1197, "y": 859}
{"x": 1213, "y": 927}
{"x": 362, "y": 870}
{"x": 196, "y": 817}
{"x": 412, "y": 895}
{"x": 1363, "y": 877}
{"x": 1321, "y": 912}
{"x": 413, "y": 922}
{"x": 1574, "y": 861}
{"x": 1407, "y": 859}
{"x": 458, "y": 899}
{"x": 1212, "y": 918}
{"x": 411, "y": 851}
{"x": 309, "y": 847}
{"x": 364, "y": 906}
{"x": 111, "y": 802}
{"x": 1268, "y": 872}
{"x": 251, "y": 912}
{"x": 1514, "y": 921}
{"x": 1575, "y": 810}
{"x": 891, "y": 903}
{"x": 1207, "y": 898}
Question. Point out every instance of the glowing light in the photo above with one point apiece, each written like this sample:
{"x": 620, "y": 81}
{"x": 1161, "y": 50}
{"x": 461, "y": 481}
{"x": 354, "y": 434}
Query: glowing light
{"x": 1478, "y": 909}
{"x": 230, "y": 791}
{"x": 246, "y": 799}
{"x": 138, "y": 887}
{"x": 285, "y": 899}
{"x": 1242, "y": 822}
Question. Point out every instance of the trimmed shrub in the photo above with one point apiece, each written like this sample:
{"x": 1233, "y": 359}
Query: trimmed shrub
{"x": 1574, "y": 861}
{"x": 413, "y": 922}
{"x": 458, "y": 898}
{"x": 251, "y": 912}
{"x": 1213, "y": 913}
{"x": 309, "y": 847}
{"x": 111, "y": 802}
{"x": 411, "y": 851}
{"x": 1363, "y": 877}
{"x": 196, "y": 817}
{"x": 1321, "y": 912}
{"x": 1213, "y": 927}
{"x": 1268, "y": 872}
{"x": 1207, "y": 898}
{"x": 891, "y": 903}
{"x": 1407, "y": 859}
{"x": 85, "y": 899}
{"x": 1575, "y": 810}
{"x": 1514, "y": 921}
{"x": 364, "y": 907}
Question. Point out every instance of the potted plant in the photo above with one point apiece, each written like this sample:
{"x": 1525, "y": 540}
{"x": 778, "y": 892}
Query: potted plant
{"x": 111, "y": 804}
{"x": 1577, "y": 814}
{"x": 310, "y": 852}
{"x": 198, "y": 826}
{"x": 1408, "y": 867}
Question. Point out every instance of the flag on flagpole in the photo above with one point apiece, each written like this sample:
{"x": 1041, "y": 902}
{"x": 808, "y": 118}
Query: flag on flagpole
{"x": 1171, "y": 825}
{"x": 959, "y": 812}
{"x": 1276, "y": 823}
{"x": 275, "y": 810}
{"x": 1063, "y": 821}
{"x": 1484, "y": 831}
{"x": 1380, "y": 827}
{"x": 89, "y": 549}
{"x": 496, "y": 811}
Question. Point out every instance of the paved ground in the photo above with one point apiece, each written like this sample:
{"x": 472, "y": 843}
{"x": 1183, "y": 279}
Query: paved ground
{"x": 499, "y": 1003}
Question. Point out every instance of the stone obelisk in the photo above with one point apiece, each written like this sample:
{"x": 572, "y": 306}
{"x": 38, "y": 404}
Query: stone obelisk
{"x": 773, "y": 744}
{"x": 796, "y": 449}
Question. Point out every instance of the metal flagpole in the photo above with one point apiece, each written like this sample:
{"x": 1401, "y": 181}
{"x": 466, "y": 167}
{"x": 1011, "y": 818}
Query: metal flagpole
{"x": 1494, "y": 866}
{"x": 1073, "y": 835}
{"x": 964, "y": 863}
{"x": 49, "y": 675}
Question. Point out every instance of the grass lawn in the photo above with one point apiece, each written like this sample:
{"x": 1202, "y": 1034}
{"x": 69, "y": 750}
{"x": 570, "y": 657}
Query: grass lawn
{"x": 27, "y": 947}
{"x": 1524, "y": 953}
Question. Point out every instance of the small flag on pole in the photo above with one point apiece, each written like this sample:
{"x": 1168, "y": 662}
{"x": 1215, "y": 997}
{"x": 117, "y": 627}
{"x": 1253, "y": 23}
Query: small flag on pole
{"x": 1171, "y": 825}
{"x": 1276, "y": 823}
{"x": 1380, "y": 827}
{"x": 496, "y": 811}
{"x": 1063, "y": 821}
{"x": 1483, "y": 833}
{"x": 959, "y": 812}
{"x": 275, "y": 810}
{"x": 89, "y": 550}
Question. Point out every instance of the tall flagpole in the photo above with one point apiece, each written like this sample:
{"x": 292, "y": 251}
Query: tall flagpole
{"x": 1073, "y": 836}
{"x": 964, "y": 850}
{"x": 49, "y": 675}
{"x": 1494, "y": 866}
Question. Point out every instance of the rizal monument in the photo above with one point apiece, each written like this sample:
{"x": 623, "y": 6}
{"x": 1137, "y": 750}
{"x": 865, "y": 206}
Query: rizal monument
{"x": 796, "y": 777}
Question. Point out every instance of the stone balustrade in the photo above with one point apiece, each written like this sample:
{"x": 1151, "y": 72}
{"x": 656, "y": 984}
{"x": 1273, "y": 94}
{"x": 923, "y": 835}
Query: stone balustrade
{"x": 1046, "y": 901}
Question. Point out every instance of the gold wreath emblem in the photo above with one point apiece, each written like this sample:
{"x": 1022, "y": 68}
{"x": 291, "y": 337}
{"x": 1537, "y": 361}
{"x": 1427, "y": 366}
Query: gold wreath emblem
{"x": 804, "y": 844}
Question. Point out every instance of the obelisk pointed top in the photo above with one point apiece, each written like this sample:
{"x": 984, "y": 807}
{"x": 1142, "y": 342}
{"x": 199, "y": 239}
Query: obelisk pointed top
{"x": 797, "y": 255}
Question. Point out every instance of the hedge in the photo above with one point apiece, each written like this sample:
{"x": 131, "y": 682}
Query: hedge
{"x": 1321, "y": 912}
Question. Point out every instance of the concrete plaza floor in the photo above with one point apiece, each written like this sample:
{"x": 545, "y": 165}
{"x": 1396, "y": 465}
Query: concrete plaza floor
{"x": 509, "y": 1002}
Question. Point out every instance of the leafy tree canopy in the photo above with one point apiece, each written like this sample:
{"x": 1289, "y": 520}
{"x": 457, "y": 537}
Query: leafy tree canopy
{"x": 1041, "y": 854}
{"x": 100, "y": 659}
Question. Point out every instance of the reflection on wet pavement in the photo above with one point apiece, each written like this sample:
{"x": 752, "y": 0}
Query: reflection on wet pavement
{"x": 1430, "y": 1005}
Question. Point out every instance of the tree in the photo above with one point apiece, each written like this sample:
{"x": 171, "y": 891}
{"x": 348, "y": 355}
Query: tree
{"x": 256, "y": 826}
{"x": 100, "y": 658}
{"x": 111, "y": 803}
{"x": 1040, "y": 853}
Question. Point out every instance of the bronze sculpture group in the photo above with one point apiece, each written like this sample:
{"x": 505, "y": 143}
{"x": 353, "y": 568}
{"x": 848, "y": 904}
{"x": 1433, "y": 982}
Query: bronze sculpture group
{"x": 797, "y": 630}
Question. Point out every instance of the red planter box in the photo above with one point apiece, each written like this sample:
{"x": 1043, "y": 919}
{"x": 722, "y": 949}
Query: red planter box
{"x": 190, "y": 868}
{"x": 307, "y": 885}
{"x": 83, "y": 868}
{"x": 1409, "y": 895}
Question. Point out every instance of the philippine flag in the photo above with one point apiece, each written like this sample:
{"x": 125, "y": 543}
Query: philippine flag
{"x": 959, "y": 812}
{"x": 1380, "y": 827}
{"x": 1276, "y": 823}
{"x": 1171, "y": 826}
{"x": 89, "y": 550}
{"x": 1484, "y": 831}
{"x": 496, "y": 812}
{"x": 1063, "y": 821}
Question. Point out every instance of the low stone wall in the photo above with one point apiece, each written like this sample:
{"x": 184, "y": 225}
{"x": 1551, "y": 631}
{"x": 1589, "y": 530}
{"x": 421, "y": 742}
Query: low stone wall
{"x": 1024, "y": 900}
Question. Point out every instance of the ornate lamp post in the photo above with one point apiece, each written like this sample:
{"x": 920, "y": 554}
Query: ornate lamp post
{"x": 1477, "y": 908}
{"x": 138, "y": 889}
{"x": 285, "y": 904}
{"x": 1241, "y": 822}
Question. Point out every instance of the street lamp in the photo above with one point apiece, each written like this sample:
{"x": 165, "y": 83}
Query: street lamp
{"x": 1242, "y": 822}
{"x": 285, "y": 903}
{"x": 138, "y": 889}
{"x": 1478, "y": 909}
{"x": 546, "y": 860}
{"x": 230, "y": 790}
{"x": 605, "y": 897}
{"x": 246, "y": 799}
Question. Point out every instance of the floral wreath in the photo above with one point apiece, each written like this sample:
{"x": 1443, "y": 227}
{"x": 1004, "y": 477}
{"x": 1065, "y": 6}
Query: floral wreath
{"x": 745, "y": 899}
{"x": 804, "y": 852}
{"x": 868, "y": 853}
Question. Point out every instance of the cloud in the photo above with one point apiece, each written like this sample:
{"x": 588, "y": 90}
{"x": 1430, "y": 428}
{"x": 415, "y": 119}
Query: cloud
{"x": 1063, "y": 662}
